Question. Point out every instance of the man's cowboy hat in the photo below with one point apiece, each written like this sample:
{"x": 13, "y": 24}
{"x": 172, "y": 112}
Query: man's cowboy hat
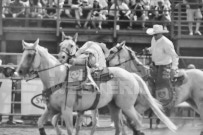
{"x": 156, "y": 30}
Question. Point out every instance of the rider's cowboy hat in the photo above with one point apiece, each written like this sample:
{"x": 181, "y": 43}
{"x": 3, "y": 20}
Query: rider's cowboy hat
{"x": 156, "y": 30}
{"x": 85, "y": 1}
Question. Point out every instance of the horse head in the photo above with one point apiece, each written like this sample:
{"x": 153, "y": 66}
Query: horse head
{"x": 68, "y": 47}
{"x": 114, "y": 55}
{"x": 30, "y": 58}
{"x": 125, "y": 57}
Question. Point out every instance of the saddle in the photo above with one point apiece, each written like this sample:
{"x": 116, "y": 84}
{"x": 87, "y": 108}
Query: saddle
{"x": 79, "y": 74}
{"x": 102, "y": 75}
{"x": 179, "y": 79}
{"x": 99, "y": 76}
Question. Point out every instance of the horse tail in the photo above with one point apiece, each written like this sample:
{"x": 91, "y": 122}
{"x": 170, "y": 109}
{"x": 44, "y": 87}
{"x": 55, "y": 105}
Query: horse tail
{"x": 154, "y": 104}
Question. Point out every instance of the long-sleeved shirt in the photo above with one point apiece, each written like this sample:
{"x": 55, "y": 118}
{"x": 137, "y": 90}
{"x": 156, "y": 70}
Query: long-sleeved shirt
{"x": 192, "y": 3}
{"x": 163, "y": 52}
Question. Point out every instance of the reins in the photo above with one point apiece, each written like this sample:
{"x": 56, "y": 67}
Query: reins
{"x": 38, "y": 71}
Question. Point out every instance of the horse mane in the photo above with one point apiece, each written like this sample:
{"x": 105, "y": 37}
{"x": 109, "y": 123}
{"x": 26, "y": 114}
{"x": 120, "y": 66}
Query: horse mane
{"x": 133, "y": 55}
{"x": 44, "y": 52}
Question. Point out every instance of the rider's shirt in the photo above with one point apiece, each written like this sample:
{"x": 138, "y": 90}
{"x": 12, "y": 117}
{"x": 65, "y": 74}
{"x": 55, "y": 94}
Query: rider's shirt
{"x": 163, "y": 52}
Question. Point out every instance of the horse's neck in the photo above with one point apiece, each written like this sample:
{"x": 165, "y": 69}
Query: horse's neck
{"x": 51, "y": 76}
{"x": 137, "y": 67}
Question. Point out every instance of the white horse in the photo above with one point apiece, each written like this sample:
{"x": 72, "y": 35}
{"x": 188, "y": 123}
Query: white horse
{"x": 120, "y": 93}
{"x": 50, "y": 77}
{"x": 95, "y": 52}
{"x": 189, "y": 89}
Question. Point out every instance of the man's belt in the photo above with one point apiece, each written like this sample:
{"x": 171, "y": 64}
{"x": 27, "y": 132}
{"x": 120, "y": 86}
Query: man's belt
{"x": 157, "y": 66}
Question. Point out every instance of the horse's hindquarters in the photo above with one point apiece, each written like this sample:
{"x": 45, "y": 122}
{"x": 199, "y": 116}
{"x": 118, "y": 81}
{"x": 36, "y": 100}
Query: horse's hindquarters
{"x": 126, "y": 88}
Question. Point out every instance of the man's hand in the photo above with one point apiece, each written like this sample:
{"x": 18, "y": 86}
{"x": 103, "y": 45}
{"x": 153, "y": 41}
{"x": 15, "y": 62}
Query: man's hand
{"x": 188, "y": 6}
{"x": 173, "y": 73}
{"x": 146, "y": 51}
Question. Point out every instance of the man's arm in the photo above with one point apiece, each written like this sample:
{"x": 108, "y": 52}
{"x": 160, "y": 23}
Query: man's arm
{"x": 186, "y": 3}
{"x": 169, "y": 49}
{"x": 22, "y": 10}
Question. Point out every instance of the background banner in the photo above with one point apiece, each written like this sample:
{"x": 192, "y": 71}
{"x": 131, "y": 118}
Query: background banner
{"x": 28, "y": 91}
{"x": 5, "y": 96}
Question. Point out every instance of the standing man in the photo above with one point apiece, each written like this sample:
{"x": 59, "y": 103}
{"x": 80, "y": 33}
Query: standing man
{"x": 165, "y": 63}
{"x": 193, "y": 13}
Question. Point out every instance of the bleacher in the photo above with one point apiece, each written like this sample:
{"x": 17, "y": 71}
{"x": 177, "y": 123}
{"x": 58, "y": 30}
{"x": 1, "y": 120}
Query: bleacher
{"x": 32, "y": 29}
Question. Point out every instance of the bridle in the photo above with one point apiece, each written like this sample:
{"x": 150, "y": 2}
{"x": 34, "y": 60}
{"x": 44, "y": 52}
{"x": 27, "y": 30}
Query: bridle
{"x": 38, "y": 71}
{"x": 116, "y": 53}
{"x": 66, "y": 51}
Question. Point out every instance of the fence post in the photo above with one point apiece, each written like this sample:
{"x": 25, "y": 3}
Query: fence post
{"x": 172, "y": 19}
{"x": 1, "y": 8}
{"x": 115, "y": 22}
{"x": 58, "y": 19}
{"x": 179, "y": 20}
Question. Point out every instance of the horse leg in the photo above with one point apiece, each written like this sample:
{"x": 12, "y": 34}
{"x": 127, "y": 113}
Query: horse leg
{"x": 94, "y": 120}
{"x": 54, "y": 122}
{"x": 200, "y": 109}
{"x": 116, "y": 115}
{"x": 68, "y": 118}
{"x": 43, "y": 118}
{"x": 78, "y": 122}
{"x": 135, "y": 120}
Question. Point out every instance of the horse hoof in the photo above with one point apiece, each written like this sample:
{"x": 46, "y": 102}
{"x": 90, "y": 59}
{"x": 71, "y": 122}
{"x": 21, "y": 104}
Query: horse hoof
{"x": 138, "y": 133}
{"x": 42, "y": 131}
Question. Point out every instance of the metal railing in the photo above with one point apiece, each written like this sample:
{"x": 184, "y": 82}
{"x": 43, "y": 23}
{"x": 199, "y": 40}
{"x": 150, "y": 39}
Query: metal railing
{"x": 59, "y": 20}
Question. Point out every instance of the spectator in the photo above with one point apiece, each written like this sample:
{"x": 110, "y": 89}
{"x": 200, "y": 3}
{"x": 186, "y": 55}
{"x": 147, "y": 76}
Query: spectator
{"x": 167, "y": 3}
{"x": 123, "y": 13}
{"x": 60, "y": 2}
{"x": 67, "y": 12}
{"x": 147, "y": 7}
{"x": 193, "y": 12}
{"x": 85, "y": 7}
{"x": 50, "y": 14}
{"x": 26, "y": 4}
{"x": 50, "y": 11}
{"x": 98, "y": 14}
{"x": 138, "y": 13}
{"x": 154, "y": 3}
{"x": 2, "y": 76}
{"x": 5, "y": 4}
{"x": 9, "y": 70}
{"x": 35, "y": 10}
{"x": 77, "y": 11}
{"x": 16, "y": 9}
{"x": 162, "y": 13}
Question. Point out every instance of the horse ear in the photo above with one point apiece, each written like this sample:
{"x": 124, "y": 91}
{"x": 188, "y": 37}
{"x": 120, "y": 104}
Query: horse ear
{"x": 23, "y": 44}
{"x": 75, "y": 37}
{"x": 121, "y": 44}
{"x": 63, "y": 36}
{"x": 36, "y": 43}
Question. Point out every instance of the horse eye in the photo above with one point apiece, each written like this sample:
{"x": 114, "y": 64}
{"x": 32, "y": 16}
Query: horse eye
{"x": 63, "y": 57}
{"x": 71, "y": 46}
{"x": 29, "y": 55}
{"x": 111, "y": 52}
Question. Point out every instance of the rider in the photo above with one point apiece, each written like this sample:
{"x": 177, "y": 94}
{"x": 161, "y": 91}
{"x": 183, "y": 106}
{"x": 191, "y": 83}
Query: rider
{"x": 95, "y": 54}
{"x": 164, "y": 58}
